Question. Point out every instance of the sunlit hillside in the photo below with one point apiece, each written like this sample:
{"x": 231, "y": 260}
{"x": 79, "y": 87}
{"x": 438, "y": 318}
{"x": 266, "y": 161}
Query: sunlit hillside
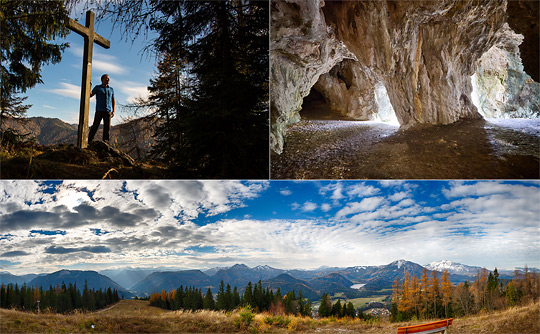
{"x": 135, "y": 316}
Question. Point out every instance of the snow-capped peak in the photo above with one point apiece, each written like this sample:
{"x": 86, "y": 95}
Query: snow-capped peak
{"x": 399, "y": 263}
{"x": 452, "y": 267}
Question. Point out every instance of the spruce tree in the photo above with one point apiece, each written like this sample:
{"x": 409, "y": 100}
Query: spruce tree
{"x": 28, "y": 29}
{"x": 209, "y": 303}
{"x": 220, "y": 302}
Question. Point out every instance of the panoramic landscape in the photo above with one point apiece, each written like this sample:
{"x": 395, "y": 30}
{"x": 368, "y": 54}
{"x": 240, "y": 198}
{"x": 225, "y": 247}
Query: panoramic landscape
{"x": 268, "y": 256}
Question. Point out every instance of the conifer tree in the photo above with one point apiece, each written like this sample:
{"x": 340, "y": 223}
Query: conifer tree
{"x": 209, "y": 303}
{"x": 28, "y": 29}
{"x": 350, "y": 310}
{"x": 236, "y": 298}
{"x": 221, "y": 301}
{"x": 336, "y": 309}
{"x": 325, "y": 309}
{"x": 211, "y": 91}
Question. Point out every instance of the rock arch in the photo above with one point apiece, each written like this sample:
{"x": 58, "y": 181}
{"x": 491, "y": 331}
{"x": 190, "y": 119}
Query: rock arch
{"x": 422, "y": 52}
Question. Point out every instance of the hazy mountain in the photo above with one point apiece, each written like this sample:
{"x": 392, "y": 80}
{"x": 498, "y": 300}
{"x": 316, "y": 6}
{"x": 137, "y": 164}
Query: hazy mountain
{"x": 240, "y": 275}
{"x": 127, "y": 277}
{"x": 47, "y": 131}
{"x": 79, "y": 277}
{"x": 134, "y": 137}
{"x": 286, "y": 283}
{"x": 331, "y": 283}
{"x": 213, "y": 271}
{"x": 168, "y": 280}
{"x": 312, "y": 282}
{"x": 8, "y": 278}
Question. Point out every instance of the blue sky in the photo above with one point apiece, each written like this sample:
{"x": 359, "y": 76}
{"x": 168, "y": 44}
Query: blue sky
{"x": 128, "y": 69}
{"x": 97, "y": 225}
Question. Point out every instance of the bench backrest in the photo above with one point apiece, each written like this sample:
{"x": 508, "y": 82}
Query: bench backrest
{"x": 432, "y": 327}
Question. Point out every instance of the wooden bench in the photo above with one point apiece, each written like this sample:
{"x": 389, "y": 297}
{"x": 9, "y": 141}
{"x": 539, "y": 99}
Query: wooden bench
{"x": 432, "y": 327}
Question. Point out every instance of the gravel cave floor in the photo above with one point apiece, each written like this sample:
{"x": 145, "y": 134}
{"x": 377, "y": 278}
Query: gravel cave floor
{"x": 324, "y": 145}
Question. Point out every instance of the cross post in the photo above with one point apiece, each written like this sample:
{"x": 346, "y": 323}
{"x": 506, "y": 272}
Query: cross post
{"x": 90, "y": 37}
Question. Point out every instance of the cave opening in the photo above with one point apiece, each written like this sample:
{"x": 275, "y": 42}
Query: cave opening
{"x": 501, "y": 89}
{"x": 315, "y": 107}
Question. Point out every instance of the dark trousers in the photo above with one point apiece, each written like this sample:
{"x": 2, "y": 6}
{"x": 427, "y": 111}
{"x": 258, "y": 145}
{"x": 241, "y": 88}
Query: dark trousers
{"x": 106, "y": 117}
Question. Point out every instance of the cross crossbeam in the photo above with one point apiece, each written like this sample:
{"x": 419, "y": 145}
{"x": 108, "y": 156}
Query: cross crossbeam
{"x": 90, "y": 37}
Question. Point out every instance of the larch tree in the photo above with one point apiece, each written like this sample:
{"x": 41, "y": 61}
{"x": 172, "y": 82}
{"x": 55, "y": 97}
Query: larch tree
{"x": 480, "y": 288}
{"x": 405, "y": 300}
{"x": 446, "y": 291}
{"x": 433, "y": 292}
{"x": 416, "y": 298}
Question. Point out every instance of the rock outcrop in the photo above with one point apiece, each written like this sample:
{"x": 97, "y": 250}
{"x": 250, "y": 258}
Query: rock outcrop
{"x": 303, "y": 47}
{"x": 524, "y": 19}
{"x": 502, "y": 89}
{"x": 422, "y": 53}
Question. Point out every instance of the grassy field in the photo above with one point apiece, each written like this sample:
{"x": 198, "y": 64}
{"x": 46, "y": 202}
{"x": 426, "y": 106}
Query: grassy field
{"x": 134, "y": 316}
{"x": 361, "y": 302}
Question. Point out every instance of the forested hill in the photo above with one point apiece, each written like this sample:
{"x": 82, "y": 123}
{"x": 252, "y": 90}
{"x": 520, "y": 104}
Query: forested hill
{"x": 134, "y": 137}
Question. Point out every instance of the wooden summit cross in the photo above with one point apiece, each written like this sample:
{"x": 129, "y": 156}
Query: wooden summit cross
{"x": 90, "y": 37}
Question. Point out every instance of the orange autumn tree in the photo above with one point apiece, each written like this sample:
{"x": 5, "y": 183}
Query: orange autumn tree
{"x": 446, "y": 291}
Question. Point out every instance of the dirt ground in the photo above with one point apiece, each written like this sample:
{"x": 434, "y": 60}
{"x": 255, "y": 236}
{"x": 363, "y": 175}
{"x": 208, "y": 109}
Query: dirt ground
{"x": 324, "y": 145}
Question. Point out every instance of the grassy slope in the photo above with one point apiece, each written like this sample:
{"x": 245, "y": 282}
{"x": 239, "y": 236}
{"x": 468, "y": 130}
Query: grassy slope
{"x": 131, "y": 316}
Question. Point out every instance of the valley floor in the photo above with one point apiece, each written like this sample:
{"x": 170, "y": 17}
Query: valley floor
{"x": 472, "y": 149}
{"x": 135, "y": 316}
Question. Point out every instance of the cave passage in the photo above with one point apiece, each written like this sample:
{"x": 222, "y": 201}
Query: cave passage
{"x": 315, "y": 107}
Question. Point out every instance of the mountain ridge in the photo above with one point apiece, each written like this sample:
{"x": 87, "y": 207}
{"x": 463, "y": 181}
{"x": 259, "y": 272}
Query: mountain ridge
{"x": 313, "y": 281}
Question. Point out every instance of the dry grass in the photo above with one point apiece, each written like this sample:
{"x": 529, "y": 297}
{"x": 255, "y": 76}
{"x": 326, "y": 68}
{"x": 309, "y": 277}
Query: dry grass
{"x": 134, "y": 316}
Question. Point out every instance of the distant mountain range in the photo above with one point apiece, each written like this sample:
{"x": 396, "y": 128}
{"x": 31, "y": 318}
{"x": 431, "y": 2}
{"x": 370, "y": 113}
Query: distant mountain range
{"x": 352, "y": 282}
{"x": 8, "y": 278}
{"x": 134, "y": 137}
{"x": 93, "y": 280}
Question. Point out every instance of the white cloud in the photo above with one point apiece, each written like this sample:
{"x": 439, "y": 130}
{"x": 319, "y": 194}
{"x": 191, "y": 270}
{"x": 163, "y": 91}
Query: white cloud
{"x": 325, "y": 207}
{"x": 367, "y": 204}
{"x": 396, "y": 197}
{"x": 100, "y": 62}
{"x": 361, "y": 190}
{"x": 336, "y": 190}
{"x": 309, "y": 206}
{"x": 108, "y": 67}
{"x": 495, "y": 229}
{"x": 68, "y": 90}
{"x": 406, "y": 202}
{"x": 132, "y": 90}
{"x": 48, "y": 107}
{"x": 285, "y": 192}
